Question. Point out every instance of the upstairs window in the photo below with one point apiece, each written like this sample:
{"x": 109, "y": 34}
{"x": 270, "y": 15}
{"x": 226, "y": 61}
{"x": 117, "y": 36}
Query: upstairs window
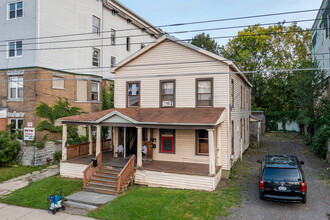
{"x": 58, "y": 82}
{"x": 96, "y": 57}
{"x": 167, "y": 93}
{"x": 114, "y": 12}
{"x": 202, "y": 142}
{"x": 113, "y": 37}
{"x": 15, "y": 49}
{"x": 15, "y": 87}
{"x": 133, "y": 94}
{"x": 232, "y": 93}
{"x": 129, "y": 21}
{"x": 128, "y": 43}
{"x": 95, "y": 91}
{"x": 204, "y": 92}
{"x": 15, "y": 10}
{"x": 113, "y": 61}
{"x": 241, "y": 95}
{"x": 96, "y": 25}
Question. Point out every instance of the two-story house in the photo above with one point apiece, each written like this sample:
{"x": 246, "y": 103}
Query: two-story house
{"x": 188, "y": 106}
{"x": 60, "y": 48}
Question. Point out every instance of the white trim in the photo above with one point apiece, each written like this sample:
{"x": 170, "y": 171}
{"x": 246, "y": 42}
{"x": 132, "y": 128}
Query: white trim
{"x": 8, "y": 10}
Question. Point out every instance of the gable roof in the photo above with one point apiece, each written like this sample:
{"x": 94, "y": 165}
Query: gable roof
{"x": 154, "y": 116}
{"x": 185, "y": 44}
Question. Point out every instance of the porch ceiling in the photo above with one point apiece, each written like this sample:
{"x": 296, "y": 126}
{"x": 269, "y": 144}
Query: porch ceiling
{"x": 151, "y": 117}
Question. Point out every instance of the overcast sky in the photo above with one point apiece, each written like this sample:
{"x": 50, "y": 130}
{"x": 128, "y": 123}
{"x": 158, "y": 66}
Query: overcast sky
{"x": 179, "y": 11}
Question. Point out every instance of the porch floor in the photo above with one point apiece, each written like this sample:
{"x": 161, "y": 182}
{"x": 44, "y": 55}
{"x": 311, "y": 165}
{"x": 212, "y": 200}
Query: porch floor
{"x": 107, "y": 159}
{"x": 179, "y": 168}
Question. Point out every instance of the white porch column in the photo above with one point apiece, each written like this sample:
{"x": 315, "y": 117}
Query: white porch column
{"x": 139, "y": 147}
{"x": 218, "y": 148}
{"x": 111, "y": 137}
{"x": 125, "y": 142}
{"x": 98, "y": 139}
{"x": 115, "y": 142}
{"x": 64, "y": 141}
{"x": 211, "y": 152}
{"x": 90, "y": 137}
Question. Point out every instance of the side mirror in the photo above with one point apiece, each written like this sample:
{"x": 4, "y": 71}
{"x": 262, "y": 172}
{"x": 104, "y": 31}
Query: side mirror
{"x": 259, "y": 161}
{"x": 302, "y": 162}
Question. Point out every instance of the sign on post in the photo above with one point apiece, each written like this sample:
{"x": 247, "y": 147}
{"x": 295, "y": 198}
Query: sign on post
{"x": 29, "y": 134}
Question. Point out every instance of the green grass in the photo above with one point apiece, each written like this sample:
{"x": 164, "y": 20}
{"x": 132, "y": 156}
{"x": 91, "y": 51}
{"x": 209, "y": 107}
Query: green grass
{"x": 36, "y": 194}
{"x": 161, "y": 203}
{"x": 7, "y": 173}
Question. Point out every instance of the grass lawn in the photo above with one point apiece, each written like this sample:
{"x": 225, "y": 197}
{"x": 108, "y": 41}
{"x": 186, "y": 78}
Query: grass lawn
{"x": 7, "y": 173}
{"x": 161, "y": 203}
{"x": 36, "y": 194}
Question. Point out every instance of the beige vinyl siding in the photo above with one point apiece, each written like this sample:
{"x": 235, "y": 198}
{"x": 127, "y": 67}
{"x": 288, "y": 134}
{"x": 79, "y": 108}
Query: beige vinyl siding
{"x": 171, "y": 52}
{"x": 239, "y": 113}
{"x": 179, "y": 181}
{"x": 185, "y": 148}
{"x": 72, "y": 170}
{"x": 82, "y": 90}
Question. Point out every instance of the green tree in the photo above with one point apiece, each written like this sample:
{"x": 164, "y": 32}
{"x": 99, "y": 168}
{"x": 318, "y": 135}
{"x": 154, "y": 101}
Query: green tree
{"x": 9, "y": 148}
{"x": 204, "y": 41}
{"x": 107, "y": 103}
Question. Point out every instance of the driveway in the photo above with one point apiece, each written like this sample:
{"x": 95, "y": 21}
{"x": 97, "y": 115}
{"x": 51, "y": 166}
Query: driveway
{"x": 317, "y": 175}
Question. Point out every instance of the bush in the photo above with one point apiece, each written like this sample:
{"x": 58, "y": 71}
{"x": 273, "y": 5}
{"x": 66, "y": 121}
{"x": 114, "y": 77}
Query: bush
{"x": 57, "y": 156}
{"x": 9, "y": 148}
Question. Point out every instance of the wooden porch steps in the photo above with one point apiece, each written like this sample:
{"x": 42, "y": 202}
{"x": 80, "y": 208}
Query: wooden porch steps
{"x": 105, "y": 181}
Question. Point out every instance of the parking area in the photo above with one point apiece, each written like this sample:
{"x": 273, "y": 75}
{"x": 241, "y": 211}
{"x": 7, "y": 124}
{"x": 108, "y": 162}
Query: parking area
{"x": 317, "y": 174}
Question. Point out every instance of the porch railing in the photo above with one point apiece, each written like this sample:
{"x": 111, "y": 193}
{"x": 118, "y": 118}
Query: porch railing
{"x": 123, "y": 176}
{"x": 79, "y": 150}
{"x": 91, "y": 170}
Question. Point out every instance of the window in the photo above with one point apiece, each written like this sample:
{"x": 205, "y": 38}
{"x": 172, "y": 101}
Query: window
{"x": 232, "y": 93}
{"x": 128, "y": 43}
{"x": 96, "y": 25}
{"x": 58, "y": 82}
{"x": 167, "y": 141}
{"x": 114, "y": 12}
{"x": 96, "y": 57}
{"x": 113, "y": 37}
{"x": 15, "y": 49}
{"x": 113, "y": 61}
{"x": 202, "y": 142}
{"x": 232, "y": 138}
{"x": 95, "y": 91}
{"x": 15, "y": 10}
{"x": 82, "y": 93}
{"x": 129, "y": 21}
{"x": 133, "y": 91}
{"x": 241, "y": 94}
{"x": 16, "y": 125}
{"x": 167, "y": 93}
{"x": 204, "y": 92}
{"x": 15, "y": 87}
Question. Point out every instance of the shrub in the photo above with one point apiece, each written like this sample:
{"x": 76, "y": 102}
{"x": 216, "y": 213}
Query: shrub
{"x": 9, "y": 148}
{"x": 57, "y": 156}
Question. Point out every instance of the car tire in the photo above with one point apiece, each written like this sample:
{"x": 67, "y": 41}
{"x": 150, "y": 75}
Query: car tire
{"x": 304, "y": 200}
{"x": 261, "y": 196}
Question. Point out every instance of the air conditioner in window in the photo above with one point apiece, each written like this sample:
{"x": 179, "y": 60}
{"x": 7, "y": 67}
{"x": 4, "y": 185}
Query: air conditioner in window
{"x": 167, "y": 103}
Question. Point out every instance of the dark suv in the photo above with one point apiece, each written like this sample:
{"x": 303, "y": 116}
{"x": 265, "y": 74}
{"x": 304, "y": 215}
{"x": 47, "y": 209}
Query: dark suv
{"x": 282, "y": 179}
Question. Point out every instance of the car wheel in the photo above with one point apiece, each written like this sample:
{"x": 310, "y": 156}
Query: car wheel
{"x": 53, "y": 212}
{"x": 261, "y": 196}
{"x": 304, "y": 200}
{"x": 63, "y": 208}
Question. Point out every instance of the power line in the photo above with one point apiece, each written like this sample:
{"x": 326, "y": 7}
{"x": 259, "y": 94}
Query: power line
{"x": 178, "y": 40}
{"x": 175, "y": 32}
{"x": 175, "y": 75}
{"x": 178, "y": 24}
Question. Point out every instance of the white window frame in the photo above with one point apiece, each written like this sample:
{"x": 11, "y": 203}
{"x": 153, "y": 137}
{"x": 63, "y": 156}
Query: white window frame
{"x": 98, "y": 27}
{"x": 113, "y": 37}
{"x": 58, "y": 77}
{"x": 16, "y": 88}
{"x": 98, "y": 58}
{"x": 15, "y": 49}
{"x": 8, "y": 10}
{"x": 113, "y": 61}
{"x": 98, "y": 91}
{"x": 16, "y": 123}
{"x": 128, "y": 44}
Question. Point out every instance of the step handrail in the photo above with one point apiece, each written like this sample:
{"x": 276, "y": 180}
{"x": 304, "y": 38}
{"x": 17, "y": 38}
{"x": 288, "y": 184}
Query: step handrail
{"x": 125, "y": 172}
{"x": 91, "y": 170}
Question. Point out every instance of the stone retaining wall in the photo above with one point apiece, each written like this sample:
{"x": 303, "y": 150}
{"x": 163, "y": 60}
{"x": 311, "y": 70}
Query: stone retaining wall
{"x": 33, "y": 156}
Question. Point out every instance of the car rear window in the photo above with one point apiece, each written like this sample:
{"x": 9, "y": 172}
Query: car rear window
{"x": 282, "y": 174}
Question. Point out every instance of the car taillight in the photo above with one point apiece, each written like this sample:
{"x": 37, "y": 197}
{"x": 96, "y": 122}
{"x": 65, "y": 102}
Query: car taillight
{"x": 303, "y": 187}
{"x": 261, "y": 184}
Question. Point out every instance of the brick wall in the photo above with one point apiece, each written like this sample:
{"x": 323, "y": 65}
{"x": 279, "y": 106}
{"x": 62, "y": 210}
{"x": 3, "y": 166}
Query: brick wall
{"x": 3, "y": 124}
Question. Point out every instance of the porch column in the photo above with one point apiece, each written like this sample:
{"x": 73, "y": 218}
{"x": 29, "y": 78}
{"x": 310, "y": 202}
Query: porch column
{"x": 90, "y": 137}
{"x": 139, "y": 147}
{"x": 98, "y": 139}
{"x": 115, "y": 142}
{"x": 111, "y": 137}
{"x": 125, "y": 142}
{"x": 64, "y": 141}
{"x": 218, "y": 147}
{"x": 211, "y": 153}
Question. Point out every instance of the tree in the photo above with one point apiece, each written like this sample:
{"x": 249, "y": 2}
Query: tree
{"x": 204, "y": 41}
{"x": 9, "y": 148}
{"x": 107, "y": 103}
{"x": 272, "y": 48}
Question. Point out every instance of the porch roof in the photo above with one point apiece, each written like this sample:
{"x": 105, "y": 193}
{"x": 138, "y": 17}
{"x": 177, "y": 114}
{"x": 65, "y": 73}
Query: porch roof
{"x": 151, "y": 116}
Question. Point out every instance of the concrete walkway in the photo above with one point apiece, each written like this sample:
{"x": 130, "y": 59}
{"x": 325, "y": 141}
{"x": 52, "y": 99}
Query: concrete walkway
{"x": 10, "y": 212}
{"x": 11, "y": 185}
